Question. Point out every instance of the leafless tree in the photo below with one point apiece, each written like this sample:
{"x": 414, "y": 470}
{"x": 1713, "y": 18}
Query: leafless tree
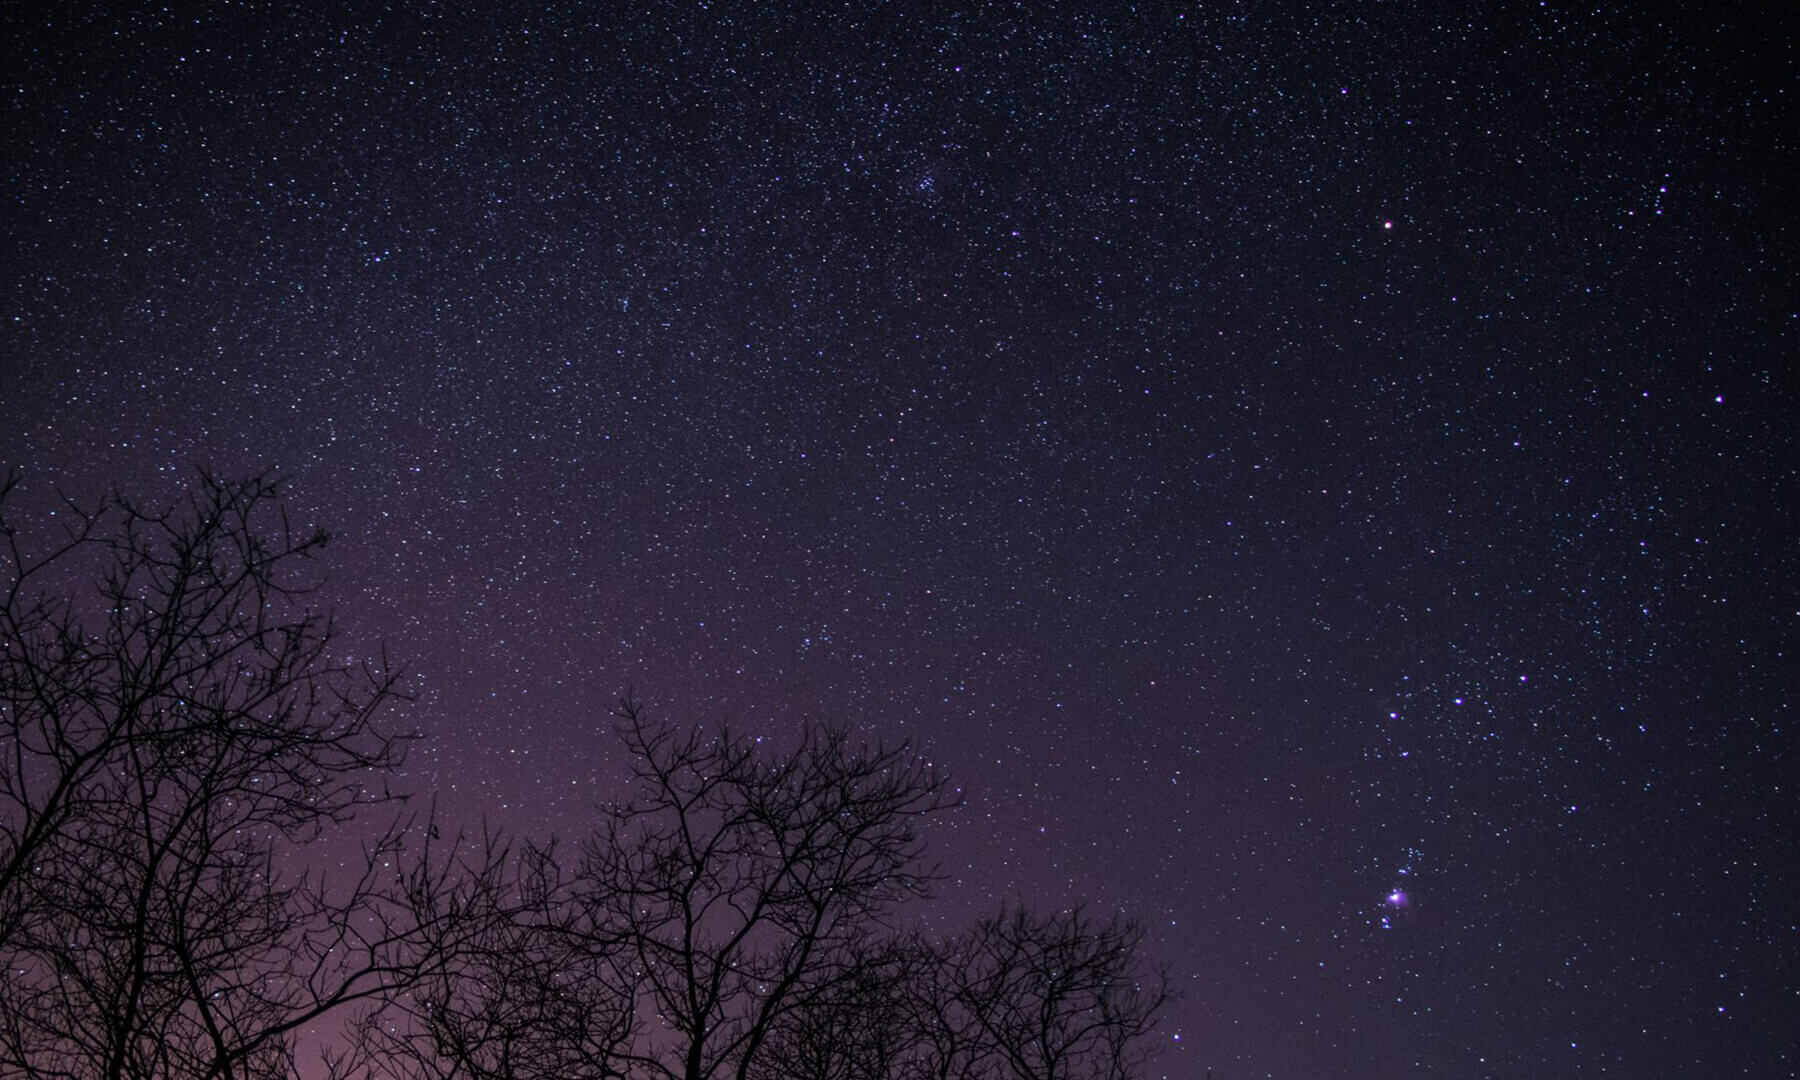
{"x": 864, "y": 1023}
{"x": 170, "y": 734}
{"x": 177, "y": 734}
{"x": 1020, "y": 996}
{"x": 739, "y": 880}
{"x": 1058, "y": 996}
{"x": 735, "y": 886}
{"x": 519, "y": 997}
{"x": 735, "y": 917}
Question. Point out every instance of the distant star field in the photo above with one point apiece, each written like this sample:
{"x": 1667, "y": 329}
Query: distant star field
{"x": 1321, "y": 476}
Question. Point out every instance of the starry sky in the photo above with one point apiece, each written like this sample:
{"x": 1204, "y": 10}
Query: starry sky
{"x": 1321, "y": 475}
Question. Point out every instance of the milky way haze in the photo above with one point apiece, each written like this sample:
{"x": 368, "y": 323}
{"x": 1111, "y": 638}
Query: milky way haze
{"x": 1322, "y": 476}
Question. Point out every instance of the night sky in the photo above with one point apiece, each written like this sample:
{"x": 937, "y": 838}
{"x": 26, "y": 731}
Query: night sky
{"x": 1321, "y": 476}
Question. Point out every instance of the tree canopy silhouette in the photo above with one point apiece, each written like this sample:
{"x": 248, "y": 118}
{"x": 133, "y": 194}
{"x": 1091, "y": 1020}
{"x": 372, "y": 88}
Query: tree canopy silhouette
{"x": 169, "y": 729}
{"x": 737, "y": 917}
{"x": 177, "y": 721}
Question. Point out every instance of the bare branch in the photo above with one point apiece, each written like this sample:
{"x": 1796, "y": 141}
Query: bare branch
{"x": 167, "y": 732}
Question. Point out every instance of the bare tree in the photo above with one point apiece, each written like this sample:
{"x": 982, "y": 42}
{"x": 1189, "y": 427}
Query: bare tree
{"x": 735, "y": 918}
{"x": 742, "y": 881}
{"x": 735, "y": 887}
{"x": 169, "y": 734}
{"x": 520, "y": 996}
{"x": 1020, "y": 996}
{"x": 1043, "y": 997}
{"x": 172, "y": 737}
{"x": 863, "y": 1023}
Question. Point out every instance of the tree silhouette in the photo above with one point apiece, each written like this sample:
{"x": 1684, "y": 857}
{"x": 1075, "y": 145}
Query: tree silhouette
{"x": 1020, "y": 996}
{"x": 733, "y": 888}
{"x": 735, "y": 917}
{"x": 1057, "y": 996}
{"x": 167, "y": 735}
{"x": 740, "y": 882}
{"x": 866, "y": 1023}
{"x": 522, "y": 995}
{"x": 175, "y": 734}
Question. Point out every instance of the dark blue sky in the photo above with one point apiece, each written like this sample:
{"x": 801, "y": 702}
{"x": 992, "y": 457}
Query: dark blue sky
{"x": 1276, "y": 456}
